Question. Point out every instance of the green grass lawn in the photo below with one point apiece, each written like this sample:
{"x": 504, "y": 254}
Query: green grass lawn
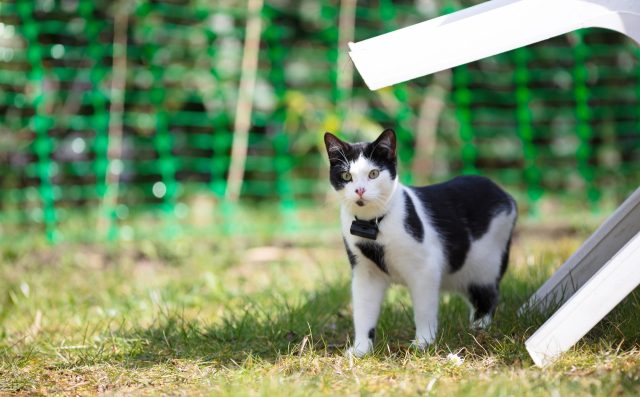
{"x": 271, "y": 316}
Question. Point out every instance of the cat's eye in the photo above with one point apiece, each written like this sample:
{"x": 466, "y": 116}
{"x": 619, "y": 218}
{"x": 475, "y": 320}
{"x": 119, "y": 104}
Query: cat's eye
{"x": 373, "y": 174}
{"x": 345, "y": 176}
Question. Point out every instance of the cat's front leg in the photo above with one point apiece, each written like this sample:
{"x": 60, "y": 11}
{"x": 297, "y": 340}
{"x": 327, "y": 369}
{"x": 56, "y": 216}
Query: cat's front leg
{"x": 368, "y": 288}
{"x": 425, "y": 292}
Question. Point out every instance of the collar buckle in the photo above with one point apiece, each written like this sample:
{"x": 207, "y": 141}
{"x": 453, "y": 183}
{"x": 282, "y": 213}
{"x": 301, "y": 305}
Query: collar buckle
{"x": 366, "y": 229}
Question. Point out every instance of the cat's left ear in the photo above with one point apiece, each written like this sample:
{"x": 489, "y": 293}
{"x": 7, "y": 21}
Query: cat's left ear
{"x": 387, "y": 141}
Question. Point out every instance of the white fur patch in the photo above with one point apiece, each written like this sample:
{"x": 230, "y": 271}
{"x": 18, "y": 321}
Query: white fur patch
{"x": 377, "y": 191}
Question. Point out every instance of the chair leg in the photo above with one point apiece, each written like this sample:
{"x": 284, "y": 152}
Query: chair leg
{"x": 597, "y": 297}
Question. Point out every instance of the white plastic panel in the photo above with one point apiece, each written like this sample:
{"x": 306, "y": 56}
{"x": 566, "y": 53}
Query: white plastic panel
{"x": 481, "y": 31}
{"x": 612, "y": 283}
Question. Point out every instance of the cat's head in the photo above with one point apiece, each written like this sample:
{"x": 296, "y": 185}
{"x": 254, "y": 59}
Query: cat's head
{"x": 364, "y": 173}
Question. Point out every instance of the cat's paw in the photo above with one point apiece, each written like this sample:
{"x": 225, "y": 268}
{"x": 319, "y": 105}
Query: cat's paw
{"x": 420, "y": 346}
{"x": 424, "y": 339}
{"x": 482, "y": 323}
{"x": 359, "y": 350}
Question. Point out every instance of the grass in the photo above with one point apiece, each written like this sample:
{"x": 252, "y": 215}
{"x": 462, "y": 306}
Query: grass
{"x": 267, "y": 316}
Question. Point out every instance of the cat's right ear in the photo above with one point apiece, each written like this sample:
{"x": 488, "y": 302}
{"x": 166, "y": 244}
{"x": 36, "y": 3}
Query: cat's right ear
{"x": 335, "y": 147}
{"x": 387, "y": 142}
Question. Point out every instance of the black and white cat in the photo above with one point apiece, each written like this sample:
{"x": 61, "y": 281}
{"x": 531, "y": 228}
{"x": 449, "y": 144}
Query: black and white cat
{"x": 452, "y": 236}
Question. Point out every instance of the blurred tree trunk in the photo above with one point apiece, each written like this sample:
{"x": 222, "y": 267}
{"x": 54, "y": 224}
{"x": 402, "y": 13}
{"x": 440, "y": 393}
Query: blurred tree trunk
{"x": 346, "y": 30}
{"x": 116, "y": 114}
{"x": 245, "y": 100}
{"x": 427, "y": 125}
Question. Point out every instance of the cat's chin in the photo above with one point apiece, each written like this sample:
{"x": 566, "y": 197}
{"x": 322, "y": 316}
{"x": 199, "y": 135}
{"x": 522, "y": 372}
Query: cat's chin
{"x": 364, "y": 210}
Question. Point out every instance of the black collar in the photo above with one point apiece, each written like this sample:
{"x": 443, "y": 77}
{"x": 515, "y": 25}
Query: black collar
{"x": 367, "y": 229}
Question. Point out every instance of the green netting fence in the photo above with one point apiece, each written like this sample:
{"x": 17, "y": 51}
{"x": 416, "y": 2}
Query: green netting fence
{"x": 558, "y": 117}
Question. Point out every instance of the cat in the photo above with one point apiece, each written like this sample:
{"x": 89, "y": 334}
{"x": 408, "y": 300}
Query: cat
{"x": 452, "y": 236}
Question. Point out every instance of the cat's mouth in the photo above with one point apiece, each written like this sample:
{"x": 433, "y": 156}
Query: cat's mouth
{"x": 360, "y": 203}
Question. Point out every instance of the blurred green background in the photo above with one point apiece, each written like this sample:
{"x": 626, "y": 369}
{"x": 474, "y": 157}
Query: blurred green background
{"x": 118, "y": 118}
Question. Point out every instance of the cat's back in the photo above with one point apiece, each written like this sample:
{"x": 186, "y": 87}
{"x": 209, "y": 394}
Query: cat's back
{"x": 462, "y": 210}
{"x": 473, "y": 198}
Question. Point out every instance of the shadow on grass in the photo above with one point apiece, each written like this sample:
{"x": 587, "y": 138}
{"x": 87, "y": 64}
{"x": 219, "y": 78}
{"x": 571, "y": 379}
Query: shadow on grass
{"x": 322, "y": 321}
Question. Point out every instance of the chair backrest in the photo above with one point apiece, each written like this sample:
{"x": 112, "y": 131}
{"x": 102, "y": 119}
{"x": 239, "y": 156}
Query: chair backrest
{"x": 481, "y": 31}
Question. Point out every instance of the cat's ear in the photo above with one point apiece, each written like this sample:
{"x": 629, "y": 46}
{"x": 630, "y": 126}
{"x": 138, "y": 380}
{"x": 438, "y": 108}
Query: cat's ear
{"x": 387, "y": 142}
{"x": 335, "y": 147}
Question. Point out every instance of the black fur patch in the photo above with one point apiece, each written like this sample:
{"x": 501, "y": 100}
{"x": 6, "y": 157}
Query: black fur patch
{"x": 381, "y": 157}
{"x": 372, "y": 334}
{"x": 412, "y": 223}
{"x": 374, "y": 252}
{"x": 350, "y": 254}
{"x": 461, "y": 211}
{"x": 484, "y": 299}
{"x": 505, "y": 259}
{"x": 340, "y": 160}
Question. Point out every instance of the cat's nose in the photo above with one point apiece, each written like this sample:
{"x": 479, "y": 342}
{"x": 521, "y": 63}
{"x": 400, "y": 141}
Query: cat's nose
{"x": 360, "y": 191}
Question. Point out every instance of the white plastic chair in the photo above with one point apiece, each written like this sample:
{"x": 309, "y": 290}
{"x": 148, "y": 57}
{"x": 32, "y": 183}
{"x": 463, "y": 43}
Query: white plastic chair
{"x": 606, "y": 268}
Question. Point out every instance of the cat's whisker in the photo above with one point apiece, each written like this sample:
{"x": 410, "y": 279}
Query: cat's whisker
{"x": 344, "y": 156}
